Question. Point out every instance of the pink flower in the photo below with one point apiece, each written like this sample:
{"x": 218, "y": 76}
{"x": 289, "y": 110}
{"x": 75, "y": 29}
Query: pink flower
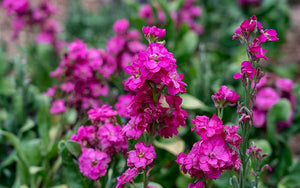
{"x": 67, "y": 87}
{"x": 269, "y": 34}
{"x": 259, "y": 118}
{"x": 208, "y": 158}
{"x": 19, "y": 7}
{"x": 266, "y": 98}
{"x": 255, "y": 49}
{"x": 207, "y": 128}
{"x": 121, "y": 26}
{"x": 122, "y": 105}
{"x": 51, "y": 91}
{"x": 101, "y": 114}
{"x": 285, "y": 84}
{"x": 141, "y": 157}
{"x": 93, "y": 163}
{"x": 58, "y": 106}
{"x": 153, "y": 32}
{"x": 127, "y": 177}
{"x": 110, "y": 139}
{"x": 199, "y": 184}
{"x": 86, "y": 136}
{"x": 247, "y": 69}
{"x": 225, "y": 97}
{"x": 232, "y": 137}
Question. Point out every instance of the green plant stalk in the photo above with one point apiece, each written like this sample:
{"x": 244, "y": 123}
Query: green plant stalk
{"x": 245, "y": 136}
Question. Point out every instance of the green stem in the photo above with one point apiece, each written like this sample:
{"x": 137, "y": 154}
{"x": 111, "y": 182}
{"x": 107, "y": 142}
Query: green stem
{"x": 145, "y": 178}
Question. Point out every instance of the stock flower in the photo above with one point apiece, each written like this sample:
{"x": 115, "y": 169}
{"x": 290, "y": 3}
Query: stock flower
{"x": 122, "y": 105}
{"x": 246, "y": 69}
{"x": 121, "y": 26}
{"x": 153, "y": 32}
{"x": 58, "y": 106}
{"x": 124, "y": 45}
{"x": 86, "y": 136}
{"x": 212, "y": 155}
{"x": 199, "y": 184}
{"x": 83, "y": 75}
{"x": 103, "y": 113}
{"x": 141, "y": 157}
{"x": 269, "y": 34}
{"x": 266, "y": 98}
{"x": 270, "y": 90}
{"x": 207, "y": 128}
{"x": 111, "y": 139}
{"x": 225, "y": 97}
{"x": 93, "y": 163}
{"x": 127, "y": 177}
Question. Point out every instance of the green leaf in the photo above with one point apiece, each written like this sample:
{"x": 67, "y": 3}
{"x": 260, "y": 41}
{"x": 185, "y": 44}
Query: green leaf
{"x": 43, "y": 121}
{"x": 71, "y": 170}
{"x": 188, "y": 44}
{"x": 29, "y": 124}
{"x": 279, "y": 112}
{"x": 173, "y": 145}
{"x": 141, "y": 185}
{"x": 191, "y": 103}
{"x": 74, "y": 148}
{"x": 22, "y": 163}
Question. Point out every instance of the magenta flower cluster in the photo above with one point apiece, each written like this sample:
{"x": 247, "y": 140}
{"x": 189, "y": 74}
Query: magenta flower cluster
{"x": 270, "y": 90}
{"x": 26, "y": 15}
{"x": 82, "y": 74}
{"x": 225, "y": 97}
{"x": 99, "y": 142}
{"x": 247, "y": 32}
{"x": 151, "y": 72}
{"x": 125, "y": 44}
{"x": 187, "y": 14}
{"x": 140, "y": 159}
{"x": 211, "y": 155}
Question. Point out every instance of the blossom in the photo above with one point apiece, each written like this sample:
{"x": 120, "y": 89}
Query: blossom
{"x": 207, "y": 128}
{"x": 121, "y": 26}
{"x": 58, "y": 106}
{"x": 225, "y": 97}
{"x": 86, "y": 136}
{"x": 93, "y": 163}
{"x": 122, "y": 105}
{"x": 153, "y": 32}
{"x": 270, "y": 90}
{"x": 285, "y": 84}
{"x": 101, "y": 114}
{"x": 247, "y": 69}
{"x": 127, "y": 177}
{"x": 266, "y": 98}
{"x": 141, "y": 157}
{"x": 199, "y": 184}
{"x": 208, "y": 158}
{"x": 110, "y": 138}
{"x": 269, "y": 34}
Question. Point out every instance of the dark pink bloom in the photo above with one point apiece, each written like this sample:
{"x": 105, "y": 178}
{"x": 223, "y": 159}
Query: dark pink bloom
{"x": 266, "y": 98}
{"x": 199, "y": 184}
{"x": 121, "y": 26}
{"x": 86, "y": 136}
{"x": 101, "y": 114}
{"x": 51, "y": 91}
{"x": 225, "y": 97}
{"x": 123, "y": 104}
{"x": 207, "y": 128}
{"x": 93, "y": 163}
{"x": 141, "y": 157}
{"x": 127, "y": 177}
{"x": 58, "y": 106}
{"x": 153, "y": 32}
{"x": 285, "y": 84}
{"x": 67, "y": 87}
{"x": 259, "y": 118}
{"x": 269, "y": 34}
{"x": 110, "y": 139}
{"x": 247, "y": 69}
{"x": 19, "y": 7}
